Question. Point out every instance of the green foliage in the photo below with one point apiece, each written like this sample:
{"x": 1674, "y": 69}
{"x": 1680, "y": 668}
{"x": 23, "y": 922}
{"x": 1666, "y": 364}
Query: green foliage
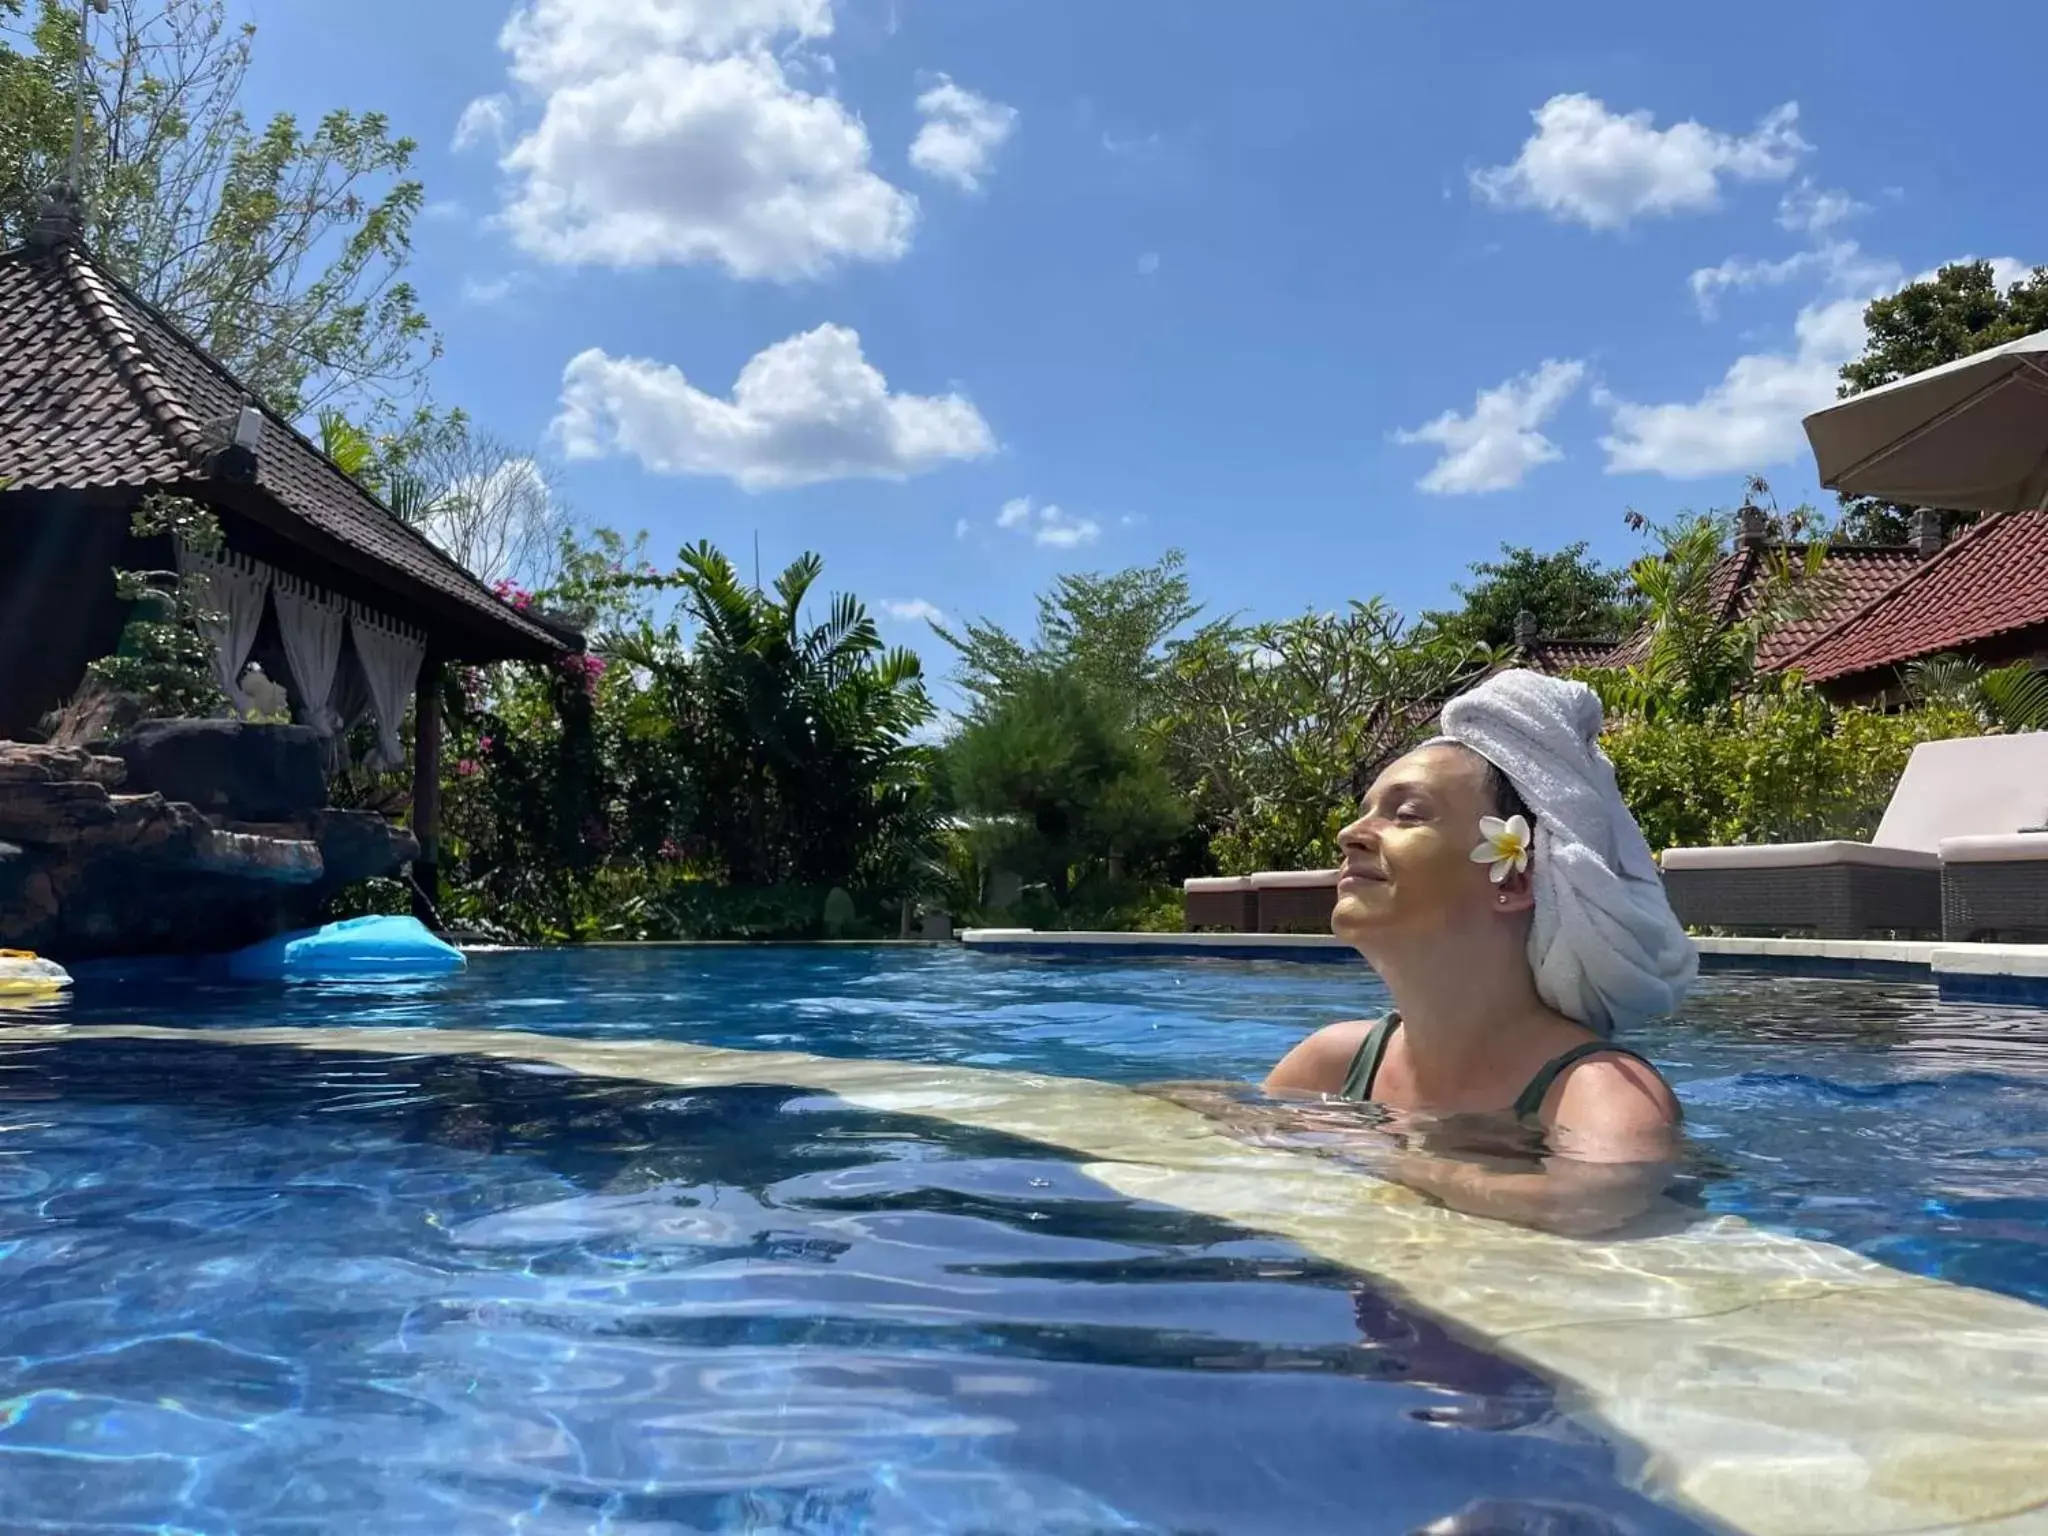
{"x": 1107, "y": 632}
{"x": 1776, "y": 764}
{"x": 2011, "y": 698}
{"x": 800, "y": 731}
{"x": 1076, "y": 800}
{"x": 163, "y": 659}
{"x": 1571, "y": 595}
{"x": 1699, "y": 658}
{"x": 279, "y": 248}
{"x": 1277, "y": 729}
{"x": 728, "y": 745}
{"x": 1958, "y": 312}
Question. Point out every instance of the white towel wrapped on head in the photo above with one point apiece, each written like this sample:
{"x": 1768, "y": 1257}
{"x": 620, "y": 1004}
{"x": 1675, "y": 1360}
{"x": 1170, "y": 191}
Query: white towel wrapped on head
{"x": 1603, "y": 942}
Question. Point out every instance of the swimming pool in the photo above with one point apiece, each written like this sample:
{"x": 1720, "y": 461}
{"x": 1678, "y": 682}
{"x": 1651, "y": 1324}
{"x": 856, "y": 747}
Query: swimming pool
{"x": 844, "y": 1240}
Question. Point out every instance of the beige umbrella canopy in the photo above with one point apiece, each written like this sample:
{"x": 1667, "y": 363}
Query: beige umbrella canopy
{"x": 1971, "y": 435}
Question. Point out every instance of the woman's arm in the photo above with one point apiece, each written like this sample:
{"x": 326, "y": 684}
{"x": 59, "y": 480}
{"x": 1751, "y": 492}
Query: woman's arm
{"x": 1568, "y": 1197}
{"x": 1613, "y": 1136}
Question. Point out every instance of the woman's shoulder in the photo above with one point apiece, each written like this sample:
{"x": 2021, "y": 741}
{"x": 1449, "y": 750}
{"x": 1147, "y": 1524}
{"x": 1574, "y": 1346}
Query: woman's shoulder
{"x": 1612, "y": 1097}
{"x": 1321, "y": 1062}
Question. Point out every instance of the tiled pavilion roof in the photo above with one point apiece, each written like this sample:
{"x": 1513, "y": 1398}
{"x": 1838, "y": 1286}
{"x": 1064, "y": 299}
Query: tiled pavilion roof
{"x": 100, "y": 392}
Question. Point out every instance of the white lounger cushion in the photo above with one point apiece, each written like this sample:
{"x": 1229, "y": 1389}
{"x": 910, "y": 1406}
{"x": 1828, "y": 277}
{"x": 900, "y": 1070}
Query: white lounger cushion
{"x": 1799, "y": 856}
{"x": 1293, "y": 879}
{"x": 1212, "y": 885}
{"x": 1973, "y": 786}
{"x": 2018, "y": 848}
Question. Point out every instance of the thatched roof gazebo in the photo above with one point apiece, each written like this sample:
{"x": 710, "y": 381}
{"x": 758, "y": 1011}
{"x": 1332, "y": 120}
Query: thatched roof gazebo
{"x": 104, "y": 401}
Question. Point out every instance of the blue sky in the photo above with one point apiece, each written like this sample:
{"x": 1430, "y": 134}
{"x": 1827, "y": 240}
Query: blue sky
{"x": 1334, "y": 295}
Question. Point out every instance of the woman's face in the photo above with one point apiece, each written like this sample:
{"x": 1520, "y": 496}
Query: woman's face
{"x": 1408, "y": 864}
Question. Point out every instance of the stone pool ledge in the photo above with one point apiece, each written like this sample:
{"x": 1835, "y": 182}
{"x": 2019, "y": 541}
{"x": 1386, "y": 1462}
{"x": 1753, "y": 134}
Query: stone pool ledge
{"x": 1779, "y": 1386}
{"x": 2005, "y": 973}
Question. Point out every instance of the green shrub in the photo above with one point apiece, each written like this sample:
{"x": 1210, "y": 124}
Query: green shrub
{"x": 1779, "y": 765}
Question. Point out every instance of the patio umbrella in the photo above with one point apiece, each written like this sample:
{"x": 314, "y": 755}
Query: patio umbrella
{"x": 1971, "y": 435}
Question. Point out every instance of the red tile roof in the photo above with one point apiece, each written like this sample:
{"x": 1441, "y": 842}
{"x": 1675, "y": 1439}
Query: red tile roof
{"x": 1991, "y": 581}
{"x": 1556, "y": 657}
{"x": 1851, "y": 576}
{"x": 98, "y": 391}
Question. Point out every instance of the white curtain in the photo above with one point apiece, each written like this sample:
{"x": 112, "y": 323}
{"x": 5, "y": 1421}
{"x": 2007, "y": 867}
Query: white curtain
{"x": 391, "y": 654}
{"x": 310, "y": 622}
{"x": 231, "y": 588}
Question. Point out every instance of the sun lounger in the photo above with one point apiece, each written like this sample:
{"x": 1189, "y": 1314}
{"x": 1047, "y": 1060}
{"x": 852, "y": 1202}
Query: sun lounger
{"x": 1295, "y": 900}
{"x": 1220, "y": 904}
{"x": 1995, "y": 888}
{"x": 1981, "y": 786}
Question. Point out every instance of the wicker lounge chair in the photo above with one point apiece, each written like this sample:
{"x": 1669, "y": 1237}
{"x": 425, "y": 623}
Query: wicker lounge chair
{"x": 1995, "y": 888}
{"x": 1973, "y": 787}
{"x": 1221, "y": 904}
{"x": 1296, "y": 900}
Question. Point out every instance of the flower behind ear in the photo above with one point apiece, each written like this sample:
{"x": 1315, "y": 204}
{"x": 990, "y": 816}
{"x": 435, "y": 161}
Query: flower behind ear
{"x": 1504, "y": 845}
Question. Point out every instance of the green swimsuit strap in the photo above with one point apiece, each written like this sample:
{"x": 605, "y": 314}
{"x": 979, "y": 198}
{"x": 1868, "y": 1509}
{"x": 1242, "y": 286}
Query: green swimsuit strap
{"x": 1365, "y": 1064}
{"x": 1530, "y": 1104}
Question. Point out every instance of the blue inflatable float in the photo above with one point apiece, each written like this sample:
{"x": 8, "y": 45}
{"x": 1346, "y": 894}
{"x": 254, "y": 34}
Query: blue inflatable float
{"x": 362, "y": 948}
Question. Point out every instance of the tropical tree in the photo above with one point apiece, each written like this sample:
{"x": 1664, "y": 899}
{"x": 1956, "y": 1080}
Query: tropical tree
{"x": 797, "y": 735}
{"x": 279, "y": 248}
{"x": 2009, "y": 698}
{"x": 1958, "y": 312}
{"x": 1697, "y": 655}
{"x": 1066, "y": 791}
{"x": 1571, "y": 595}
{"x": 1107, "y": 632}
{"x": 1277, "y": 729}
{"x": 492, "y": 508}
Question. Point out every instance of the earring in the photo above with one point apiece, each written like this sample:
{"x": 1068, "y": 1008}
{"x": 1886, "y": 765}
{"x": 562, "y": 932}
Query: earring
{"x": 1502, "y": 900}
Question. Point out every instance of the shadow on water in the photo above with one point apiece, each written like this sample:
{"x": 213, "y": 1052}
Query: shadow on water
{"x": 261, "y": 1290}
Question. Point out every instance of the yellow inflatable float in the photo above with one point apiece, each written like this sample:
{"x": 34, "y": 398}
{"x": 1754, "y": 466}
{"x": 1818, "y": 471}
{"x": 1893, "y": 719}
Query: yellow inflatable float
{"x": 28, "y": 977}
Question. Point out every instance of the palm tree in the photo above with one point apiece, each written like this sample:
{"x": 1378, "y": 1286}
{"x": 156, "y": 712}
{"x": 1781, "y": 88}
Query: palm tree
{"x": 796, "y": 735}
{"x": 2012, "y": 698}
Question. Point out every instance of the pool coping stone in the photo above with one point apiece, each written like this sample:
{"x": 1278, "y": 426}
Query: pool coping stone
{"x": 2002, "y": 973}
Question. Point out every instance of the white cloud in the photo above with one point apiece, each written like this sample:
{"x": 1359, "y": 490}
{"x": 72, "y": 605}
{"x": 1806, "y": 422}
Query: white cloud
{"x": 961, "y": 133}
{"x": 1133, "y": 146}
{"x": 1809, "y": 210}
{"x": 674, "y": 131}
{"x": 1605, "y": 168}
{"x": 1496, "y": 446}
{"x": 486, "y": 291}
{"x": 913, "y": 610}
{"x": 1061, "y": 530}
{"x": 483, "y": 121}
{"x": 1751, "y": 419}
{"x": 1148, "y": 264}
{"x": 1844, "y": 263}
{"x": 553, "y": 42}
{"x": 1707, "y": 283}
{"x": 803, "y": 411}
{"x": 961, "y": 527}
{"x": 1049, "y": 525}
{"x": 2007, "y": 270}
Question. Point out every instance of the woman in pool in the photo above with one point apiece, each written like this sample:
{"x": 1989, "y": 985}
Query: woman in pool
{"x": 1499, "y": 886}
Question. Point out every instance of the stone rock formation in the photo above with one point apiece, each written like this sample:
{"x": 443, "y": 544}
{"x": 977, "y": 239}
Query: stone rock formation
{"x": 198, "y": 837}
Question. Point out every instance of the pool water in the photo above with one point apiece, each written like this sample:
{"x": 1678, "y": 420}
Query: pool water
{"x": 262, "y": 1289}
{"x": 1865, "y": 1113}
